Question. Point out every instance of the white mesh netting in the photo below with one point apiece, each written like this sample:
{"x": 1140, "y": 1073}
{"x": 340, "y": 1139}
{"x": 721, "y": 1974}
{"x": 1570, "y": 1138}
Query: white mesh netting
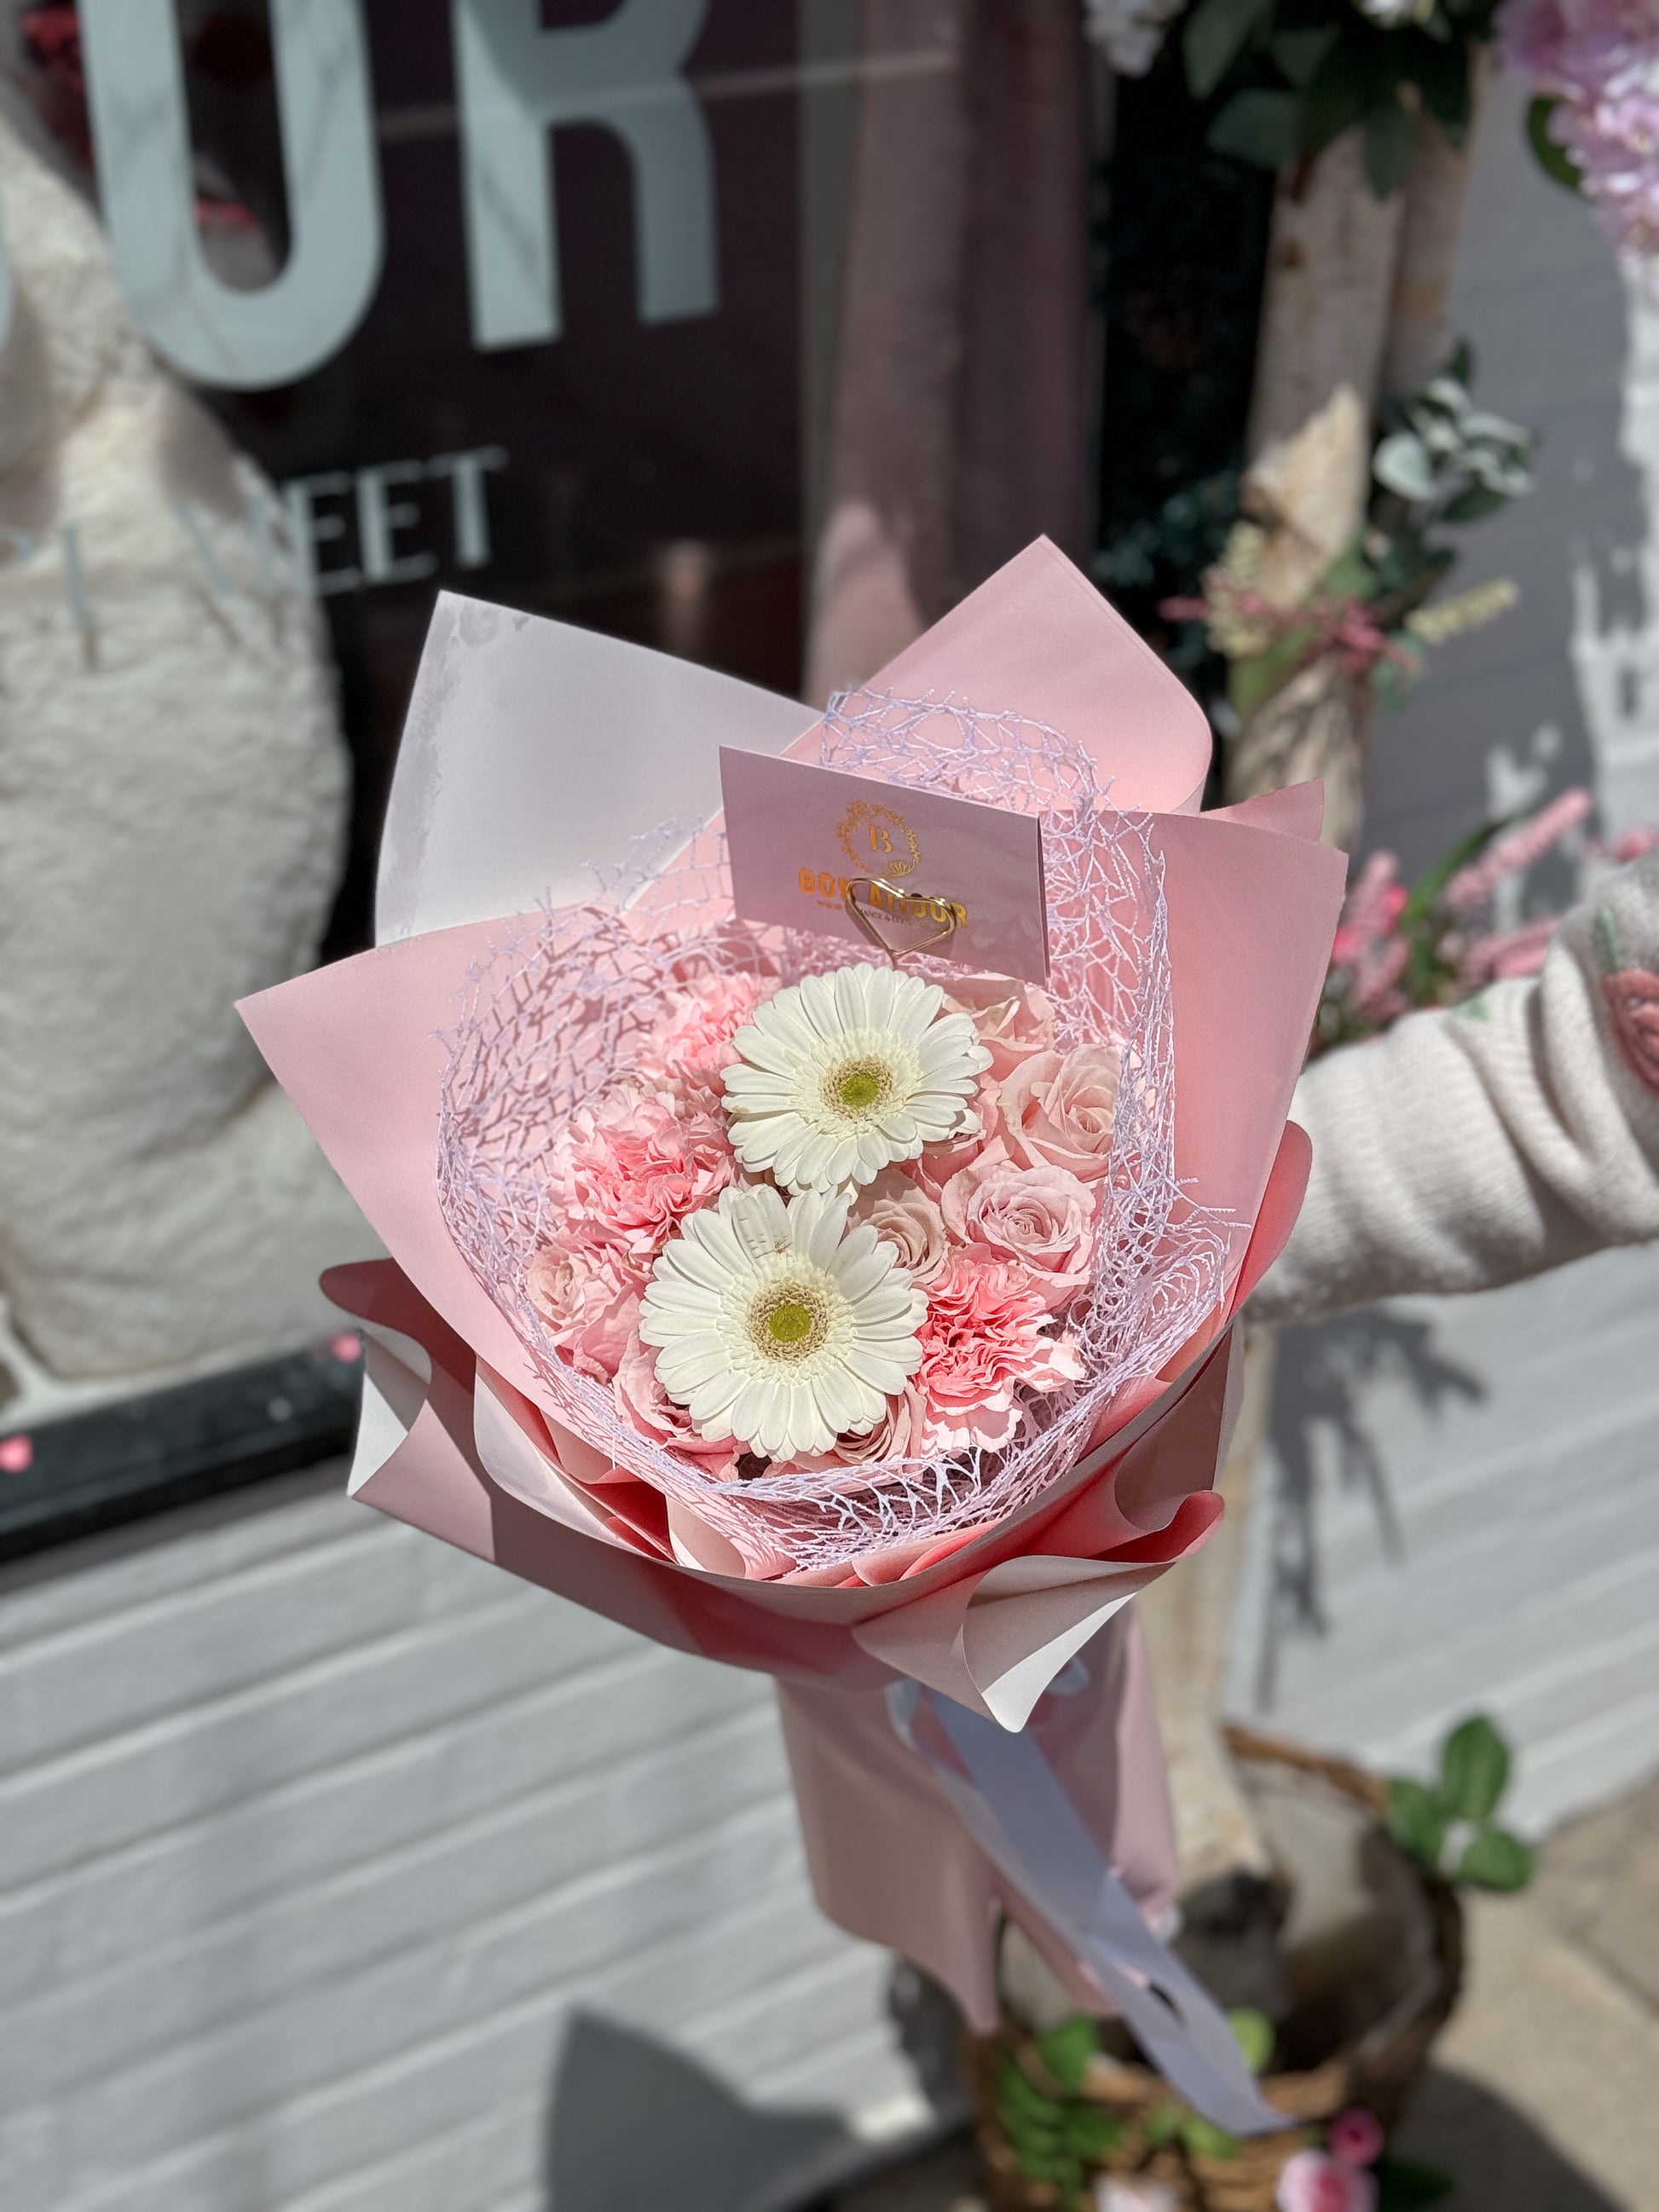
{"x": 564, "y": 1002}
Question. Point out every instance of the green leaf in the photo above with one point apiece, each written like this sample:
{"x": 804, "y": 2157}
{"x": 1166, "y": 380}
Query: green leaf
{"x": 1497, "y": 1860}
{"x": 1401, "y": 464}
{"x": 1475, "y": 1767}
{"x": 1415, "y": 1820}
{"x": 1442, "y": 74}
{"x": 1163, "y": 2122}
{"x": 1067, "y": 2049}
{"x": 1204, "y": 2139}
{"x": 1022, "y": 2100}
{"x": 1403, "y": 2187}
{"x": 1554, "y": 161}
{"x": 1090, "y": 2133}
{"x": 1252, "y": 2032}
{"x": 1390, "y": 148}
{"x": 1476, "y": 503}
{"x": 1299, "y": 53}
{"x": 1262, "y": 128}
{"x": 1214, "y": 36}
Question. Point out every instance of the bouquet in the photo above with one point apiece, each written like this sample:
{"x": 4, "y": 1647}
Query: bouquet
{"x": 841, "y": 1312}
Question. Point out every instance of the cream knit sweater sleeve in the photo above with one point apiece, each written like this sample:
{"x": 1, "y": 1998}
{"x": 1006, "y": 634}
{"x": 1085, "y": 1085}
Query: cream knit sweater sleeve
{"x": 1470, "y": 1148}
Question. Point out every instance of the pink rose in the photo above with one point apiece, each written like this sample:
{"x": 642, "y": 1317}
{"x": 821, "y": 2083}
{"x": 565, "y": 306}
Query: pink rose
{"x": 1312, "y": 2182}
{"x": 900, "y": 1211}
{"x": 626, "y": 1172}
{"x": 1061, "y": 1110}
{"x": 936, "y": 1167}
{"x": 1039, "y": 1217}
{"x": 983, "y": 1338}
{"x": 1355, "y": 2136}
{"x": 691, "y": 1045}
{"x": 588, "y": 1302}
{"x": 642, "y": 1400}
{"x": 1012, "y": 1024}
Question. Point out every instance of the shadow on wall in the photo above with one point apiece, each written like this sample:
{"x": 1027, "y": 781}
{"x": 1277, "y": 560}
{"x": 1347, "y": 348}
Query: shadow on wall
{"x": 633, "y": 2127}
{"x": 1503, "y": 2163}
{"x": 1323, "y": 1374}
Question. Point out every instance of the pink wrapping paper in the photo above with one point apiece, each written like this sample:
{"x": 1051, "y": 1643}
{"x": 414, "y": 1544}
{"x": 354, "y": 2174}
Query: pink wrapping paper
{"x": 455, "y": 1439}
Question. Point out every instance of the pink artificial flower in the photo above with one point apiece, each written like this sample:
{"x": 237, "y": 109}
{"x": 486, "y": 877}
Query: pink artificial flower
{"x": 691, "y": 1045}
{"x": 1355, "y": 2136}
{"x": 898, "y": 1209}
{"x": 1012, "y": 1024}
{"x": 1370, "y": 911}
{"x": 1373, "y": 995}
{"x": 642, "y": 1400}
{"x": 1633, "y": 844}
{"x": 983, "y": 1338}
{"x": 625, "y": 1173}
{"x": 1061, "y": 1110}
{"x": 1513, "y": 853}
{"x": 1508, "y": 953}
{"x": 1042, "y": 1219}
{"x": 588, "y": 1302}
{"x": 1633, "y": 1003}
{"x": 1312, "y": 2182}
{"x": 1600, "y": 58}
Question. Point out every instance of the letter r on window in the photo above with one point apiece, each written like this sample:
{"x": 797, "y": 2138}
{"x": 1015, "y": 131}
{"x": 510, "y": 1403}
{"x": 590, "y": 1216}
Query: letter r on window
{"x": 518, "y": 82}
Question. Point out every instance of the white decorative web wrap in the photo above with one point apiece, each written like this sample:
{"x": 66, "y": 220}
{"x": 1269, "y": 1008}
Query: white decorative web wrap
{"x": 565, "y": 1002}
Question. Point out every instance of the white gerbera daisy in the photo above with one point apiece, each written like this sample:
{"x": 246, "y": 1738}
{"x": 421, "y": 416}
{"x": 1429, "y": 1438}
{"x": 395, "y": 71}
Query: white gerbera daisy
{"x": 844, "y": 1074}
{"x": 775, "y": 1326}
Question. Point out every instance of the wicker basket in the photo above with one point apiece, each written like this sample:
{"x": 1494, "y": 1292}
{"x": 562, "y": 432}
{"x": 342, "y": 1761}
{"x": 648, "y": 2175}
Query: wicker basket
{"x": 1378, "y": 2067}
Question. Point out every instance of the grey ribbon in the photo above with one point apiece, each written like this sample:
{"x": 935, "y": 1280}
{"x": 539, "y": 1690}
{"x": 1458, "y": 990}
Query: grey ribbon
{"x": 1012, "y": 1802}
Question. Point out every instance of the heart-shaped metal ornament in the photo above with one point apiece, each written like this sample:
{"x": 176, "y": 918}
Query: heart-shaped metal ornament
{"x": 943, "y": 911}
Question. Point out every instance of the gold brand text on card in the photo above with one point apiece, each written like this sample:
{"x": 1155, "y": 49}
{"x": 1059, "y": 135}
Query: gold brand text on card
{"x": 819, "y": 882}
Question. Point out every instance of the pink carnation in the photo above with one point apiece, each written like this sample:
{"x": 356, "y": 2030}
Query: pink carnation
{"x": 691, "y": 1045}
{"x": 983, "y": 1338}
{"x": 1041, "y": 1218}
{"x": 1061, "y": 1110}
{"x": 642, "y": 1400}
{"x": 588, "y": 1302}
{"x": 625, "y": 1173}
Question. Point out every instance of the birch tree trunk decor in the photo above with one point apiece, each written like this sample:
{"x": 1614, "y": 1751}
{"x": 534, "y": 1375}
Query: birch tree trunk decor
{"x": 1356, "y": 304}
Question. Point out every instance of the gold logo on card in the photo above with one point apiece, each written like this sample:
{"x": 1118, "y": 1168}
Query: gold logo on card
{"x": 879, "y": 840}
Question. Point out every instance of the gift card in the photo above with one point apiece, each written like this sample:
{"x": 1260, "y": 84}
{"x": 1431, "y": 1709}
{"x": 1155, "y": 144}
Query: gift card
{"x": 927, "y": 870}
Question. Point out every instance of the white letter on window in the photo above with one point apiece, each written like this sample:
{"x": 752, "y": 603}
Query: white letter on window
{"x": 518, "y": 82}
{"x": 141, "y": 134}
{"x": 378, "y": 517}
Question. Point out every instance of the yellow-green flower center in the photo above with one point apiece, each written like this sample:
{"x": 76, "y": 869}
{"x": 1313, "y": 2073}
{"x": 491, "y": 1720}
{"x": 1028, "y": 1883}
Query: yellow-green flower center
{"x": 858, "y": 1088}
{"x": 788, "y": 1321}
